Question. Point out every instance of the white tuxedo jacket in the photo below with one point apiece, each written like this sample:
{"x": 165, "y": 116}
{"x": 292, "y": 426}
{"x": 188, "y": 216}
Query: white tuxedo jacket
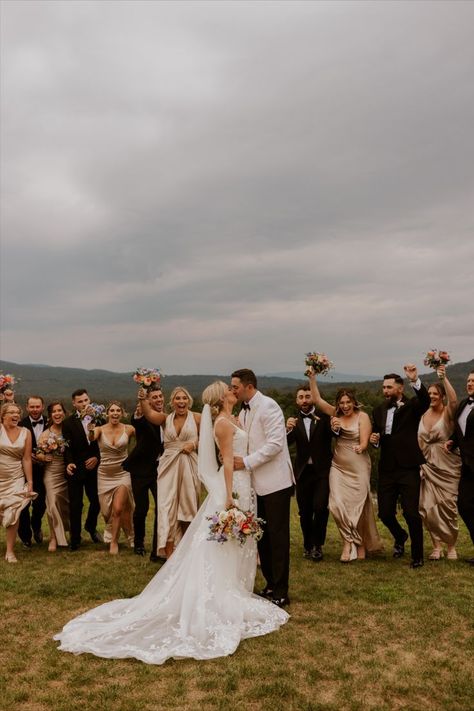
{"x": 268, "y": 458}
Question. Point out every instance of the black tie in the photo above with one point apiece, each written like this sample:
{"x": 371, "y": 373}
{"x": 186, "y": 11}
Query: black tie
{"x": 37, "y": 422}
{"x": 245, "y": 406}
{"x": 309, "y": 415}
{"x": 470, "y": 400}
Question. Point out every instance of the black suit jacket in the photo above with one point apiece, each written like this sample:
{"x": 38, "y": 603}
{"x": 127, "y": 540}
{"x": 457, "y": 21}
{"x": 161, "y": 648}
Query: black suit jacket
{"x": 465, "y": 441}
{"x": 317, "y": 447}
{"x": 38, "y": 467}
{"x": 79, "y": 448}
{"x": 142, "y": 460}
{"x": 400, "y": 450}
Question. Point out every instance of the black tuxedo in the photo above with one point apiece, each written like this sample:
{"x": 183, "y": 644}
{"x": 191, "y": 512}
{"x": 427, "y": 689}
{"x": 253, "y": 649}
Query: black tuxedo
{"x": 312, "y": 478}
{"x": 142, "y": 463}
{"x": 465, "y": 442}
{"x": 399, "y": 468}
{"x": 27, "y": 527}
{"x": 77, "y": 452}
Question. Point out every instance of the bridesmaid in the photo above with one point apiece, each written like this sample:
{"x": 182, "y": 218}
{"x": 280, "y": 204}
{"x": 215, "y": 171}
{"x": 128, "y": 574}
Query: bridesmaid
{"x": 350, "y": 501}
{"x": 114, "y": 485}
{"x": 15, "y": 467}
{"x": 442, "y": 470}
{"x": 179, "y": 487}
{"x": 57, "y": 497}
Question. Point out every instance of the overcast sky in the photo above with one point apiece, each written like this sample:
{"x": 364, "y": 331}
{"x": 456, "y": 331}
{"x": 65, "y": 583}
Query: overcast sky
{"x": 200, "y": 186}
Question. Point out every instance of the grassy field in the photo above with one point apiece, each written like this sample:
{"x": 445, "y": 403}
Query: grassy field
{"x": 370, "y": 635}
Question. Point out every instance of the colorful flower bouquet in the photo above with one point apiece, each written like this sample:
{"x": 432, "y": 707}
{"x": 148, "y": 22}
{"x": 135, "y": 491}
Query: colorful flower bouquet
{"x": 97, "y": 413}
{"x": 234, "y": 524}
{"x": 147, "y": 377}
{"x": 434, "y": 358}
{"x": 7, "y": 380}
{"x": 54, "y": 444}
{"x": 319, "y": 362}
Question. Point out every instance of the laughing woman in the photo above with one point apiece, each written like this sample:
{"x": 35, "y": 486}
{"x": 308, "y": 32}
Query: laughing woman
{"x": 114, "y": 485}
{"x": 15, "y": 468}
{"x": 350, "y": 501}
{"x": 179, "y": 487}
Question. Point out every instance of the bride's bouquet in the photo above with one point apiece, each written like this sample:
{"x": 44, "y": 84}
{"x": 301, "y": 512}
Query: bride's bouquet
{"x": 234, "y": 524}
{"x": 434, "y": 358}
{"x": 146, "y": 377}
{"x": 319, "y": 362}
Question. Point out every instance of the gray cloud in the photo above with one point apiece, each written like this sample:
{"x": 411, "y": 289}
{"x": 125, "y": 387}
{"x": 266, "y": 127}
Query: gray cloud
{"x": 208, "y": 184}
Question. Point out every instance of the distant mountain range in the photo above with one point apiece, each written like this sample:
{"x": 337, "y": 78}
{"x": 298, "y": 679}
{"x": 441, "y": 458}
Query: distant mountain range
{"x": 54, "y": 382}
{"x": 333, "y": 376}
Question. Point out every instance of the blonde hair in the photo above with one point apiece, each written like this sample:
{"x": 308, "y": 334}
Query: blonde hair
{"x": 7, "y": 405}
{"x": 117, "y": 403}
{"x": 213, "y": 396}
{"x": 180, "y": 389}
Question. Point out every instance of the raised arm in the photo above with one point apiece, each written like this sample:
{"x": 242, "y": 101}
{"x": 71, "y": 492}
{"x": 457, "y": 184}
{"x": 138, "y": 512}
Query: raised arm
{"x": 451, "y": 397}
{"x": 156, "y": 418}
{"x": 225, "y": 438}
{"x": 320, "y": 403}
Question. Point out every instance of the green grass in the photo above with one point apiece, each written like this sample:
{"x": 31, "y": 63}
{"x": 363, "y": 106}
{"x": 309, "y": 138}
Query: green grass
{"x": 371, "y": 635}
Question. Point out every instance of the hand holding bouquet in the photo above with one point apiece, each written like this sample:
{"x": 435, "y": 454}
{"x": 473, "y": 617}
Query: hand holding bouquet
{"x": 147, "y": 377}
{"x": 54, "y": 445}
{"x": 7, "y": 381}
{"x": 319, "y": 362}
{"x": 434, "y": 359}
{"x": 234, "y": 524}
{"x": 96, "y": 413}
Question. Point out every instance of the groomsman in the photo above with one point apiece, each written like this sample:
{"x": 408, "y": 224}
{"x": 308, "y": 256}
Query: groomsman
{"x": 464, "y": 439}
{"x": 142, "y": 464}
{"x": 30, "y": 527}
{"x": 82, "y": 459}
{"x": 395, "y": 428}
{"x": 312, "y": 435}
{"x": 268, "y": 461}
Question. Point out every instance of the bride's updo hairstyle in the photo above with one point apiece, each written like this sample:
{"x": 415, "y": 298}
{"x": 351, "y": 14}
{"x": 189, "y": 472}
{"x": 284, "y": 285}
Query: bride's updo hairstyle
{"x": 213, "y": 396}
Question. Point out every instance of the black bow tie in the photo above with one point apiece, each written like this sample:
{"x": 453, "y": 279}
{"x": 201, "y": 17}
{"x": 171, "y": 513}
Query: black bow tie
{"x": 245, "y": 406}
{"x": 37, "y": 422}
{"x": 470, "y": 400}
{"x": 309, "y": 415}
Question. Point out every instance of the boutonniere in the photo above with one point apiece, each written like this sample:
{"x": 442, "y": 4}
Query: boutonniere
{"x": 400, "y": 404}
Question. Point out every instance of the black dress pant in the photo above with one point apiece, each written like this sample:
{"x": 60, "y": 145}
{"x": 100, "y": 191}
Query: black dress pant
{"x": 77, "y": 484}
{"x": 274, "y": 546}
{"x": 312, "y": 495}
{"x": 141, "y": 488}
{"x": 466, "y": 498}
{"x": 31, "y": 521}
{"x": 403, "y": 483}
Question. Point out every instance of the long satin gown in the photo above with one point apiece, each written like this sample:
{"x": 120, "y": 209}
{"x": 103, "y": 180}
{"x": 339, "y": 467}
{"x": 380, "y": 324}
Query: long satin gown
{"x": 14, "y": 496}
{"x": 439, "y": 481}
{"x": 199, "y": 605}
{"x": 350, "y": 501}
{"x": 57, "y": 498}
{"x": 179, "y": 487}
{"x": 110, "y": 476}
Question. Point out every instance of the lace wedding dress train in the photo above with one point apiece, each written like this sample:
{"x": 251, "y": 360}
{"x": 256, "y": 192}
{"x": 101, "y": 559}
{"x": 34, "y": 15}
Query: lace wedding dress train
{"x": 200, "y": 604}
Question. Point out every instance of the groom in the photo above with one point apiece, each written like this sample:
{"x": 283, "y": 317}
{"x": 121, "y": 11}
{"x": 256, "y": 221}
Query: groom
{"x": 269, "y": 463}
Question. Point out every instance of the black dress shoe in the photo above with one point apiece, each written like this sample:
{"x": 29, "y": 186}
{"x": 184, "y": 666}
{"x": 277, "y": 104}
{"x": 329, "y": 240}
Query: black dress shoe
{"x": 26, "y": 545}
{"x": 307, "y": 554}
{"x": 73, "y": 547}
{"x": 96, "y": 537}
{"x": 280, "y": 601}
{"x": 266, "y": 592}
{"x": 470, "y": 561}
{"x": 417, "y": 563}
{"x": 155, "y": 558}
{"x": 139, "y": 550}
{"x": 399, "y": 547}
{"x": 38, "y": 536}
{"x": 317, "y": 554}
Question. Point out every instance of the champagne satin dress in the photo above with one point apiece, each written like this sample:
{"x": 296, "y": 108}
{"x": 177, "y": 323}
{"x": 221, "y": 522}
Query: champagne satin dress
{"x": 439, "y": 481}
{"x": 111, "y": 475}
{"x": 14, "y": 495}
{"x": 57, "y": 497}
{"x": 350, "y": 501}
{"x": 179, "y": 487}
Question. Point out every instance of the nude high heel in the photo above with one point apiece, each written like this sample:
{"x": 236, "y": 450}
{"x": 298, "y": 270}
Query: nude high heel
{"x": 437, "y": 554}
{"x": 11, "y": 558}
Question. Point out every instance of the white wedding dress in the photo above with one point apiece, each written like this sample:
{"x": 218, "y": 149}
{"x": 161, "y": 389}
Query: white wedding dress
{"x": 200, "y": 604}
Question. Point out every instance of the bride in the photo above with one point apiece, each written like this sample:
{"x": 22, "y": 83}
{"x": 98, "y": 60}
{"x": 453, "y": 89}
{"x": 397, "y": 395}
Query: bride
{"x": 200, "y": 604}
